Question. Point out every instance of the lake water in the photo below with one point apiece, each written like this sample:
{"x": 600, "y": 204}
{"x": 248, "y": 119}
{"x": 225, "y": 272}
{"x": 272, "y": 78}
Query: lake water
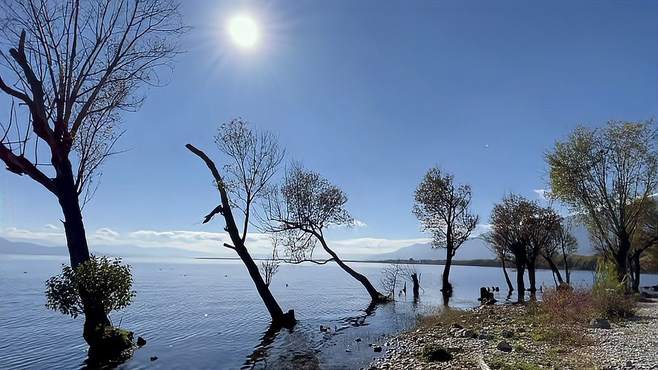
{"x": 205, "y": 314}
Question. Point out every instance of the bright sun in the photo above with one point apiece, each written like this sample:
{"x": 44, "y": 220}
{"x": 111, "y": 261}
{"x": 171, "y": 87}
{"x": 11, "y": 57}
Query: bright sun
{"x": 243, "y": 31}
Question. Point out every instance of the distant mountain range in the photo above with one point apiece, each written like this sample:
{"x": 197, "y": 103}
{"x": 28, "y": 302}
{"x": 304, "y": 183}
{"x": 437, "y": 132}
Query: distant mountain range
{"x": 11, "y": 247}
{"x": 472, "y": 249}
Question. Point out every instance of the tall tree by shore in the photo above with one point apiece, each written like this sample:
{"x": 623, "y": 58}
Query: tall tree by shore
{"x": 442, "y": 207}
{"x": 72, "y": 68}
{"x": 542, "y": 238}
{"x": 510, "y": 221}
{"x": 302, "y": 209}
{"x": 607, "y": 176}
{"x": 252, "y": 160}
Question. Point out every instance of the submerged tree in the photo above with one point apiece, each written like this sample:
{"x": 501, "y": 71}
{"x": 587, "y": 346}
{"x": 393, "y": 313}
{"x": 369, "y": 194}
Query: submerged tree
{"x": 607, "y": 176}
{"x": 253, "y": 159}
{"x": 566, "y": 246}
{"x": 442, "y": 207}
{"x": 303, "y": 208}
{"x": 71, "y": 69}
{"x": 510, "y": 222}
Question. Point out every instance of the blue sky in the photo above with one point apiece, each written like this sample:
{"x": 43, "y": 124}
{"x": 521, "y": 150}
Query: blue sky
{"x": 370, "y": 94}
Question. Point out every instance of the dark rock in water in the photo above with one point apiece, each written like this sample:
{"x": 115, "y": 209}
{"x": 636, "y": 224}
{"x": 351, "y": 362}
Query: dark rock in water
{"x": 436, "y": 354}
{"x": 357, "y": 339}
{"x": 599, "y": 324}
{"x": 504, "y": 346}
{"x": 507, "y": 333}
{"x": 377, "y": 348}
{"x": 153, "y": 358}
{"x": 486, "y": 297}
{"x": 141, "y": 342}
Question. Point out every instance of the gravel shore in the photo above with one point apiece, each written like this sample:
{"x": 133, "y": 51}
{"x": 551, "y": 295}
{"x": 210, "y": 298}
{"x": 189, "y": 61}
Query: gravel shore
{"x": 506, "y": 337}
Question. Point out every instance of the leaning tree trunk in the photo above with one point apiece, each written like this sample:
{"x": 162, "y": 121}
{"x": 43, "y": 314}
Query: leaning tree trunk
{"x": 556, "y": 271}
{"x": 375, "y": 296}
{"x": 567, "y": 273}
{"x": 76, "y": 241}
{"x": 510, "y": 287}
{"x": 279, "y": 318}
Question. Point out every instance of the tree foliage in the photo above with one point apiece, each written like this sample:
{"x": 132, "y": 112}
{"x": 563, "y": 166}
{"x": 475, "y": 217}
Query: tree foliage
{"x": 107, "y": 281}
{"x": 607, "y": 175}
{"x": 442, "y": 207}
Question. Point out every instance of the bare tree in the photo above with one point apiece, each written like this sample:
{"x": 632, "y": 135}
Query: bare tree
{"x": 252, "y": 161}
{"x": 72, "y": 67}
{"x": 395, "y": 273}
{"x": 442, "y": 207}
{"x": 510, "y": 223}
{"x": 607, "y": 175}
{"x": 305, "y": 205}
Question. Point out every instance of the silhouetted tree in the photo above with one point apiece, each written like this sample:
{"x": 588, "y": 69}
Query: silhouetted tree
{"x": 503, "y": 255}
{"x": 252, "y": 161}
{"x": 566, "y": 245}
{"x": 510, "y": 221}
{"x": 305, "y": 205}
{"x": 72, "y": 68}
{"x": 645, "y": 238}
{"x": 442, "y": 207}
{"x": 542, "y": 237}
{"x": 607, "y": 175}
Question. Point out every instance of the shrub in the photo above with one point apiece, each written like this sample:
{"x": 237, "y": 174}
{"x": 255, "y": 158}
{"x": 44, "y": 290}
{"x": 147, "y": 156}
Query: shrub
{"x": 567, "y": 305}
{"x": 609, "y": 294}
{"x": 106, "y": 282}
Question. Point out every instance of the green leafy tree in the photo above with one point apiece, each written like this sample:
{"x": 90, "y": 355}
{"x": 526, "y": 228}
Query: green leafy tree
{"x": 607, "y": 175}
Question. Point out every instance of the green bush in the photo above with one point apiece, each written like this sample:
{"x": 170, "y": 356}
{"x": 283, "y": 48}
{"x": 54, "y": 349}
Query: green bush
{"x": 106, "y": 282}
{"x": 609, "y": 294}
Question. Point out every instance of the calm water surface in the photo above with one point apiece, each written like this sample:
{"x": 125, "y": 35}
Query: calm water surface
{"x": 205, "y": 314}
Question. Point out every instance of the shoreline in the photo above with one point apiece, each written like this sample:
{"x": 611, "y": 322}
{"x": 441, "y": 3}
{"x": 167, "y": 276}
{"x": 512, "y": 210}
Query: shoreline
{"x": 506, "y": 337}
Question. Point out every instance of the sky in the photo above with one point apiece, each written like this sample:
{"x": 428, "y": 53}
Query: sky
{"x": 371, "y": 94}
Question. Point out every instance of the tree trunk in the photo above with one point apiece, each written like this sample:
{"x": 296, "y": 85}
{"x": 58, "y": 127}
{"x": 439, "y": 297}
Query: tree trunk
{"x": 567, "y": 273}
{"x": 621, "y": 258}
{"x": 447, "y": 287}
{"x": 76, "y": 241}
{"x": 636, "y": 271}
{"x": 375, "y": 296}
{"x": 279, "y": 318}
{"x": 556, "y": 271}
{"x": 532, "y": 277}
{"x": 510, "y": 287}
{"x": 416, "y": 284}
{"x": 520, "y": 284}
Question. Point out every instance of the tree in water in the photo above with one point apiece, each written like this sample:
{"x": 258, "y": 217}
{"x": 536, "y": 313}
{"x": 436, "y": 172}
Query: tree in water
{"x": 252, "y": 161}
{"x": 510, "y": 222}
{"x": 442, "y": 207}
{"x": 542, "y": 236}
{"x": 503, "y": 255}
{"x": 72, "y": 68}
{"x": 304, "y": 206}
{"x": 567, "y": 246}
{"x": 607, "y": 175}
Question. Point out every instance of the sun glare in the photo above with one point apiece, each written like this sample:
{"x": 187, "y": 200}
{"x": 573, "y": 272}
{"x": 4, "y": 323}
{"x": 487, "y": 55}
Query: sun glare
{"x": 243, "y": 31}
